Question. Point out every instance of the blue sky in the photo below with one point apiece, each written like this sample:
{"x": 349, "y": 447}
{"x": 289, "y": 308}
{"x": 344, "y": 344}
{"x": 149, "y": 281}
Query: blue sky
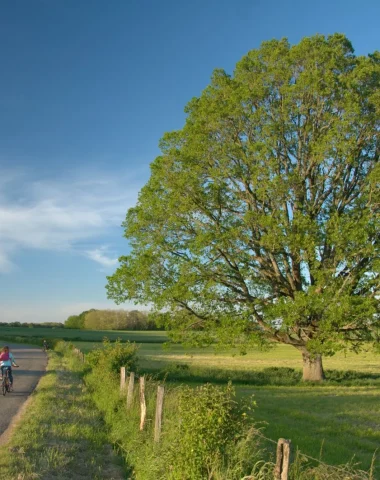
{"x": 87, "y": 88}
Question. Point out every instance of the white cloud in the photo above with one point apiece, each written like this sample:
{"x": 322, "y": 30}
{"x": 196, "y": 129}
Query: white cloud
{"x": 100, "y": 255}
{"x": 61, "y": 214}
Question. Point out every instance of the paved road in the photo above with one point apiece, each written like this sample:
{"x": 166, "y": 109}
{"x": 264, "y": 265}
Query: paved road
{"x": 32, "y": 361}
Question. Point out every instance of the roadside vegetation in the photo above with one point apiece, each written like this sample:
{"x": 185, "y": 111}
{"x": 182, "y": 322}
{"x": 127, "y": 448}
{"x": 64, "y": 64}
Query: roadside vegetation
{"x": 61, "y": 436}
{"x": 343, "y": 419}
{"x": 209, "y": 431}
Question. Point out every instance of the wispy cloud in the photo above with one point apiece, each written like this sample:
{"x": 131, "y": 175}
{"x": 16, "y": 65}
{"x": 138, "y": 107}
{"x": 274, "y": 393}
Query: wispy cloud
{"x": 100, "y": 255}
{"x": 61, "y": 214}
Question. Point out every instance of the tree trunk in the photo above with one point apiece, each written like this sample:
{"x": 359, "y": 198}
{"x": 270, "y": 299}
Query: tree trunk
{"x": 312, "y": 367}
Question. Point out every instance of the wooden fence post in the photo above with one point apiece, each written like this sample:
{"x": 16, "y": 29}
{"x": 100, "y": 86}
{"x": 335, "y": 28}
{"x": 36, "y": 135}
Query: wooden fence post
{"x": 131, "y": 385}
{"x": 281, "y": 470}
{"x": 285, "y": 459}
{"x": 142, "y": 403}
{"x": 159, "y": 408}
{"x": 122, "y": 379}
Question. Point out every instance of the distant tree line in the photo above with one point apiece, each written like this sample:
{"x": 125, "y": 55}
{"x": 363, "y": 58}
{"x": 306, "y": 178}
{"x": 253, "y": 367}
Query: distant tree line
{"x": 32, "y": 325}
{"x": 111, "y": 320}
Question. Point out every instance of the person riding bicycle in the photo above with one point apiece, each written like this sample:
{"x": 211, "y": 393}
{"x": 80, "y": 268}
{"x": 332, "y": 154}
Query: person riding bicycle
{"x": 45, "y": 345}
{"x": 6, "y": 361}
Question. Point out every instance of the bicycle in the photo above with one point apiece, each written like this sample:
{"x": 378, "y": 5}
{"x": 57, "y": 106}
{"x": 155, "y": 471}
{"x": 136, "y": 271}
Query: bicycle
{"x": 5, "y": 384}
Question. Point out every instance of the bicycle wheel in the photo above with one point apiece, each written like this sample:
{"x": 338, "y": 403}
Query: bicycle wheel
{"x": 7, "y": 385}
{"x": 3, "y": 387}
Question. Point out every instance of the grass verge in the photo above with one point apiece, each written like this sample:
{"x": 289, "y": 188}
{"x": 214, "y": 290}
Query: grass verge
{"x": 61, "y": 435}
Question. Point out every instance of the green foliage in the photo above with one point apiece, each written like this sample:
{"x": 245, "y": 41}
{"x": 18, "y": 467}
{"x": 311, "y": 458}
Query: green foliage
{"x": 211, "y": 424}
{"x": 75, "y": 321}
{"x": 260, "y": 220}
{"x": 118, "y": 320}
{"x": 111, "y": 320}
{"x": 112, "y": 356}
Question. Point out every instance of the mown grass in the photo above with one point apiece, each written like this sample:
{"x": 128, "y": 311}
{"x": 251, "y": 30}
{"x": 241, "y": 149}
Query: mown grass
{"x": 61, "y": 436}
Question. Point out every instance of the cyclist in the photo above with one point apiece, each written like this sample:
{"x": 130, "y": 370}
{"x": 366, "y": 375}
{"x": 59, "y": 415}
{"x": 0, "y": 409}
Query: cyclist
{"x": 6, "y": 361}
{"x": 45, "y": 345}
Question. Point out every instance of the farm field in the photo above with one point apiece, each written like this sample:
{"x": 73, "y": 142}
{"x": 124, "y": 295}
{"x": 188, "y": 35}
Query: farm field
{"x": 339, "y": 418}
{"x": 83, "y": 335}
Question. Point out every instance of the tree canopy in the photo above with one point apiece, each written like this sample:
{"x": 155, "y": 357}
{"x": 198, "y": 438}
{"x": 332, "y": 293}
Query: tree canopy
{"x": 75, "y": 321}
{"x": 118, "y": 320}
{"x": 260, "y": 221}
{"x": 111, "y": 320}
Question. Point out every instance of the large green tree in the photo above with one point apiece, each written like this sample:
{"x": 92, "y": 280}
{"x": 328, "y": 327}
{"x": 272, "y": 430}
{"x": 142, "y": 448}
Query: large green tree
{"x": 260, "y": 221}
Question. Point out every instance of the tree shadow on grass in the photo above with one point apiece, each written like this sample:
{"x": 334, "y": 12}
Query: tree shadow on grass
{"x": 276, "y": 376}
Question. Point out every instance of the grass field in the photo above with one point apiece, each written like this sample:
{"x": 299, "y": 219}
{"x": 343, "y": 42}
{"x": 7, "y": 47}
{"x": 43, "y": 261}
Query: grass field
{"x": 341, "y": 417}
{"x": 82, "y": 335}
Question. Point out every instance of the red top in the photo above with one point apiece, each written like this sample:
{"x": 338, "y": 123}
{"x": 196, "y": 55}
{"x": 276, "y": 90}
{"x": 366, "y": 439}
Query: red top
{"x": 4, "y": 356}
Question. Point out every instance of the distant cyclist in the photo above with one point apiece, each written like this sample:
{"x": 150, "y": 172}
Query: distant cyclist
{"x": 45, "y": 345}
{"x": 7, "y": 360}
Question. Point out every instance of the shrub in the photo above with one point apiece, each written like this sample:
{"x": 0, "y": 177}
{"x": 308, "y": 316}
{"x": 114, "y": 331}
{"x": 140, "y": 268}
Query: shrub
{"x": 211, "y": 426}
{"x": 113, "y": 356}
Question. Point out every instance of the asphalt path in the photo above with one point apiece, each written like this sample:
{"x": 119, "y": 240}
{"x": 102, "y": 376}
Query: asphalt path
{"x": 32, "y": 362}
